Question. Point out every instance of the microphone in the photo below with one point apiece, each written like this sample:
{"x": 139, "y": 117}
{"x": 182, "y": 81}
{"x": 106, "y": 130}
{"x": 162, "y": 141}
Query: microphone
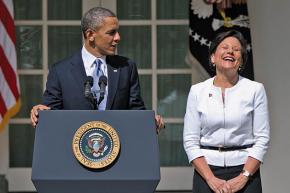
{"x": 102, "y": 84}
{"x": 88, "y": 85}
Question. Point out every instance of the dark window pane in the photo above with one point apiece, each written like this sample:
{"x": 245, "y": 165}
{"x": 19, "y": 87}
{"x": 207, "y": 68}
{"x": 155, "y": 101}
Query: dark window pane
{"x": 63, "y": 41}
{"x": 146, "y": 90}
{"x": 29, "y": 47}
{"x": 133, "y": 9}
{"x": 64, "y": 9}
{"x": 28, "y": 9}
{"x": 31, "y": 92}
{"x": 171, "y": 146}
{"x": 172, "y": 94}
{"x": 136, "y": 44}
{"x": 172, "y": 9}
{"x": 21, "y": 140}
{"x": 172, "y": 46}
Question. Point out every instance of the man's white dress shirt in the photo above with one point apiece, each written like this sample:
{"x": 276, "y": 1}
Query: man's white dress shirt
{"x": 90, "y": 67}
{"x": 241, "y": 119}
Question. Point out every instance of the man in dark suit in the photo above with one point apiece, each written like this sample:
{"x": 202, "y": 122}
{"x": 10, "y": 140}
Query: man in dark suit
{"x": 65, "y": 83}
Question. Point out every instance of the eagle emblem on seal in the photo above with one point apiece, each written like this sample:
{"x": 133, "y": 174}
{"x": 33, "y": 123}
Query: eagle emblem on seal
{"x": 96, "y": 145}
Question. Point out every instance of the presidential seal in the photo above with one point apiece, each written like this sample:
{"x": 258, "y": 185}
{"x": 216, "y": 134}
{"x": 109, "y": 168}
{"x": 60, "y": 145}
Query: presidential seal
{"x": 96, "y": 144}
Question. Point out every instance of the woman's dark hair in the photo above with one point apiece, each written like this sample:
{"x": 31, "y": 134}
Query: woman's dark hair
{"x": 223, "y": 35}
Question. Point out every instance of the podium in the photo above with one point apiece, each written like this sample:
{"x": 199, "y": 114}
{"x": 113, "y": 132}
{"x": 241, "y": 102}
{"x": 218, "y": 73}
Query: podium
{"x": 55, "y": 168}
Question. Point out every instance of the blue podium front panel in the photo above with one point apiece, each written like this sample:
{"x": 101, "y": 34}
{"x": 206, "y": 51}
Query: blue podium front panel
{"x": 55, "y": 168}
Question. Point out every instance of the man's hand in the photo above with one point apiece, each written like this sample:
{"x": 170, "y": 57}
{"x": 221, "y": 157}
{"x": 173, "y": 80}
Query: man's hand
{"x": 159, "y": 123}
{"x": 34, "y": 113}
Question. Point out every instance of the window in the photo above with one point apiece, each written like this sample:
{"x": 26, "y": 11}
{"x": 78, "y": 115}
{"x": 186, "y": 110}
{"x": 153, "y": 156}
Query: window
{"x": 46, "y": 32}
{"x": 155, "y": 35}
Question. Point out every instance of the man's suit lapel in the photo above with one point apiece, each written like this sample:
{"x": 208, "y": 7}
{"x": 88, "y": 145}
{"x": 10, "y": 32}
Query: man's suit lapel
{"x": 78, "y": 70}
{"x": 113, "y": 81}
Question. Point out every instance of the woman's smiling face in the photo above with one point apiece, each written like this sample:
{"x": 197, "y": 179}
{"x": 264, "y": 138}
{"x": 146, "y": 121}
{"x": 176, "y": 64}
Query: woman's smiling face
{"x": 228, "y": 55}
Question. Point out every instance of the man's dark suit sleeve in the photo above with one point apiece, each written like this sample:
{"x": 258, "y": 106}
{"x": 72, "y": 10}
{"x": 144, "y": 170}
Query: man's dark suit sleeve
{"x": 135, "y": 100}
{"x": 52, "y": 96}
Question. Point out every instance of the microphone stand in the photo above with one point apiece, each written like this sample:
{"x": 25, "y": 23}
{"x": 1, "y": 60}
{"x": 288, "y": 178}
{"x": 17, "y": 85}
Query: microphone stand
{"x": 94, "y": 101}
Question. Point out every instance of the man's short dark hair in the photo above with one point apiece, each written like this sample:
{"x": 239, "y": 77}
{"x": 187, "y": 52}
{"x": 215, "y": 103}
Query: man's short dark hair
{"x": 94, "y": 18}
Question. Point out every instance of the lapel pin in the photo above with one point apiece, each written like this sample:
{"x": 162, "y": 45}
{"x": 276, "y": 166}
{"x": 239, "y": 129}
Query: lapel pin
{"x": 115, "y": 70}
{"x": 209, "y": 95}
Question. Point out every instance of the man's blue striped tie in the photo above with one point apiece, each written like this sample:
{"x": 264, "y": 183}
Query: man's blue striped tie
{"x": 98, "y": 72}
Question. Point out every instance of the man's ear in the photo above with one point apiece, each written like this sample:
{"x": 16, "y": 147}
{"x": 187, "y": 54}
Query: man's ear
{"x": 90, "y": 35}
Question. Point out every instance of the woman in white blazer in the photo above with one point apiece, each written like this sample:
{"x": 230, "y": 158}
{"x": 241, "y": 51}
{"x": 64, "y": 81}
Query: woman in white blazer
{"x": 226, "y": 125}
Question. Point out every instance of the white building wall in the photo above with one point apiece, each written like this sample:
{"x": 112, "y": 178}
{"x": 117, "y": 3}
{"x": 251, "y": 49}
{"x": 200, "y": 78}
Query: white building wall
{"x": 270, "y": 30}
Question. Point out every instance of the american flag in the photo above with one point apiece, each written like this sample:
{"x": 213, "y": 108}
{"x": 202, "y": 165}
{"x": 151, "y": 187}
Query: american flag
{"x": 9, "y": 84}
